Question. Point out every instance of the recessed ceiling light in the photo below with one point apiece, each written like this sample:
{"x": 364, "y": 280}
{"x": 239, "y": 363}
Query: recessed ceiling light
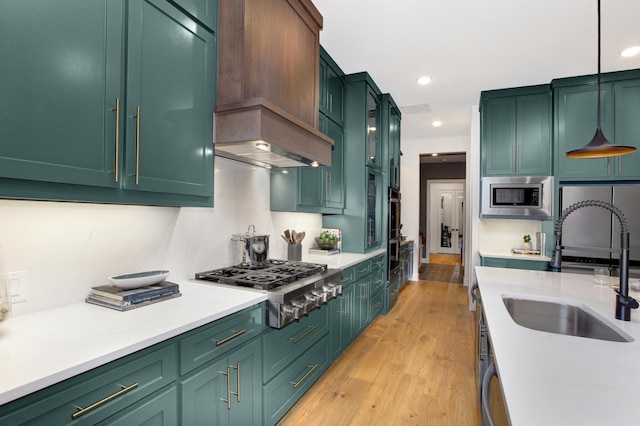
{"x": 437, "y": 123}
{"x": 424, "y": 80}
{"x": 435, "y": 154}
{"x": 630, "y": 51}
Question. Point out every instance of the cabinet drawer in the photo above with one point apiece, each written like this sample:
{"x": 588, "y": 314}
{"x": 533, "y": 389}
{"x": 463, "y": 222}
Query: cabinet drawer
{"x": 205, "y": 343}
{"x": 348, "y": 276}
{"x": 282, "y": 392}
{"x": 378, "y": 280}
{"x": 378, "y": 262}
{"x": 282, "y": 346}
{"x": 125, "y": 381}
{"x": 376, "y": 303}
{"x": 362, "y": 269}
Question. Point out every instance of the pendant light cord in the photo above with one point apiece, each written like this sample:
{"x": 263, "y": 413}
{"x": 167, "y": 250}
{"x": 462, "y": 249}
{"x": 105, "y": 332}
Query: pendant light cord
{"x": 599, "y": 42}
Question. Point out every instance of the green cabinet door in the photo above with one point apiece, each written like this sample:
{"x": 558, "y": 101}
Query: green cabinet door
{"x": 498, "y": 136}
{"x": 627, "y": 127}
{"x": 516, "y": 132}
{"x": 331, "y": 88}
{"x": 335, "y": 173}
{"x": 361, "y": 315}
{"x": 170, "y": 100}
{"x": 226, "y": 391}
{"x": 394, "y": 147}
{"x": 60, "y": 82}
{"x": 575, "y": 125}
{"x": 533, "y": 134}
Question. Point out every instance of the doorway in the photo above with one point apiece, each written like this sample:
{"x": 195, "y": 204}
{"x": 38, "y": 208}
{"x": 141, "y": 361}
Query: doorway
{"x": 445, "y": 218}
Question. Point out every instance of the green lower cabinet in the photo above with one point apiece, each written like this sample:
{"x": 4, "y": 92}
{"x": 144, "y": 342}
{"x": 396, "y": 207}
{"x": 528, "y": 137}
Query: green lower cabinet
{"x": 361, "y": 317}
{"x": 376, "y": 303}
{"x": 340, "y": 318}
{"x": 284, "y": 390}
{"x": 532, "y": 265}
{"x": 157, "y": 410}
{"x": 123, "y": 384}
{"x": 227, "y": 391}
{"x": 282, "y": 346}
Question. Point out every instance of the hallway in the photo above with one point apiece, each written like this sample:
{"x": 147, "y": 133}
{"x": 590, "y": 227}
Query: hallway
{"x": 414, "y": 366}
{"x": 445, "y": 268}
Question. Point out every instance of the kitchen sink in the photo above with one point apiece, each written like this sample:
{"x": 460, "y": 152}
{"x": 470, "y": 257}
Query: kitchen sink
{"x": 561, "y": 318}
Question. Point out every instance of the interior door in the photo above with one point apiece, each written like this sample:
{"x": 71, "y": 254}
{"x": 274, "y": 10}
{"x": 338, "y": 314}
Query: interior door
{"x": 451, "y": 220}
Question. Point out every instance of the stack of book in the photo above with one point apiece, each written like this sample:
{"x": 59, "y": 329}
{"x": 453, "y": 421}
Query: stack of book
{"x": 114, "y": 297}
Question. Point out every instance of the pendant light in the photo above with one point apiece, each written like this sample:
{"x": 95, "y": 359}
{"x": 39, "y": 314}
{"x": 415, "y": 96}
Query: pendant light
{"x": 600, "y": 147}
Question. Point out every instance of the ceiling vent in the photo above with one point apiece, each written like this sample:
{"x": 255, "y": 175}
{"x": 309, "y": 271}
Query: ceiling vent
{"x": 416, "y": 109}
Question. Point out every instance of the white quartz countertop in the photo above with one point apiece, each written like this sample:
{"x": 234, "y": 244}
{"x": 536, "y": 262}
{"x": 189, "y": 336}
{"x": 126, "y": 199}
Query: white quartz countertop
{"x": 41, "y": 349}
{"x": 341, "y": 260}
{"x": 510, "y": 255}
{"x": 553, "y": 379}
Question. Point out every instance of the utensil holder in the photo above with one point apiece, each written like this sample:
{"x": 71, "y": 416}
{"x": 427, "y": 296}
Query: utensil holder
{"x": 294, "y": 252}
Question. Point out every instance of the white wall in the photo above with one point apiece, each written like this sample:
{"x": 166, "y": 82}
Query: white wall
{"x": 410, "y": 182}
{"x": 65, "y": 248}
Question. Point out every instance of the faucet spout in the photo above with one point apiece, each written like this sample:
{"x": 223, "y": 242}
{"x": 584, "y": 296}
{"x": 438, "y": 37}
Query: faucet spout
{"x": 624, "y": 303}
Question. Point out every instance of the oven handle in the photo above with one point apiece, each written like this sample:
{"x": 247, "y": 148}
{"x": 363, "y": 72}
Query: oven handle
{"x": 486, "y": 393}
{"x": 474, "y": 295}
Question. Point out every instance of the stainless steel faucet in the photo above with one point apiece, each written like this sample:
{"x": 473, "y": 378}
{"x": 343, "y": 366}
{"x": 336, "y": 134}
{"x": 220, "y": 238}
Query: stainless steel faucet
{"x": 624, "y": 303}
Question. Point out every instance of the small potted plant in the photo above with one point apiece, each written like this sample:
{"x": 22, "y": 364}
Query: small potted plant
{"x": 526, "y": 242}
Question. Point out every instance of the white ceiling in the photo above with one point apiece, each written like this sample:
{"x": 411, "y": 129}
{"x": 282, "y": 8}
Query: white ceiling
{"x": 467, "y": 46}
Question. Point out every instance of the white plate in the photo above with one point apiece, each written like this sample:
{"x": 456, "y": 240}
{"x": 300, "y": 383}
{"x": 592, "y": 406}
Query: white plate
{"x": 138, "y": 279}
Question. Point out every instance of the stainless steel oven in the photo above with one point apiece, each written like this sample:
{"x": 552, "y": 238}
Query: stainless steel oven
{"x": 393, "y": 234}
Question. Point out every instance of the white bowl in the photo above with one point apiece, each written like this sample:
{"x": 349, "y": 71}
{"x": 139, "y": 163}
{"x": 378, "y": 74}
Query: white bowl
{"x": 138, "y": 279}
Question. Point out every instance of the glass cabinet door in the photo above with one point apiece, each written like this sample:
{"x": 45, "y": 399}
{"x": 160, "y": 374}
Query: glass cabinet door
{"x": 373, "y": 133}
{"x": 374, "y": 199}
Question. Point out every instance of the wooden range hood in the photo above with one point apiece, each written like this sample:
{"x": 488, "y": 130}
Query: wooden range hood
{"x": 268, "y": 83}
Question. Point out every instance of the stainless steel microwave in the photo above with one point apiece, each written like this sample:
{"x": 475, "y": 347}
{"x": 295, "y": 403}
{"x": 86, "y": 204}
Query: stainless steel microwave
{"x": 529, "y": 197}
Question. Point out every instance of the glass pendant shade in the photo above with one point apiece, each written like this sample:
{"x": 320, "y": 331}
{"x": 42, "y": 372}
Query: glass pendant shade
{"x": 600, "y": 147}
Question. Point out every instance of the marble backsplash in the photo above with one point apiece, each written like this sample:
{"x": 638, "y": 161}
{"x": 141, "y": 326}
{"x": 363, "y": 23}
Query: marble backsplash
{"x": 501, "y": 235}
{"x": 65, "y": 248}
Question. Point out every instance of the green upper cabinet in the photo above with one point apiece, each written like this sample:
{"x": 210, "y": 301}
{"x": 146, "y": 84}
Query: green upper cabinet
{"x": 516, "y": 132}
{"x": 363, "y": 179}
{"x": 391, "y": 118}
{"x": 331, "y": 88}
{"x": 69, "y": 121}
{"x": 169, "y": 101}
{"x": 60, "y": 83}
{"x": 575, "y": 123}
{"x": 205, "y": 11}
{"x": 321, "y": 188}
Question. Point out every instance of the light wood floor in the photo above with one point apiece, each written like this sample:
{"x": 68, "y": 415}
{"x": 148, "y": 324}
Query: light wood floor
{"x": 445, "y": 259}
{"x": 414, "y": 366}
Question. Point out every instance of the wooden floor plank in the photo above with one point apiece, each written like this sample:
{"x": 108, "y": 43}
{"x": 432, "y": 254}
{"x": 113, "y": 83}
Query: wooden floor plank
{"x": 414, "y": 366}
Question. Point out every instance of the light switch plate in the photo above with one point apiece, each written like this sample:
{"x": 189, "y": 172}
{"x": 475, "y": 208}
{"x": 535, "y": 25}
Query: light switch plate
{"x": 18, "y": 286}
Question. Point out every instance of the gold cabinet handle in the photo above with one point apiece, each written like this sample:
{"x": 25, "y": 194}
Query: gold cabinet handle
{"x": 345, "y": 280}
{"x": 117, "y": 162}
{"x": 233, "y": 336}
{"x": 394, "y": 292}
{"x": 228, "y": 400}
{"x": 237, "y": 393}
{"x": 313, "y": 368}
{"x": 137, "y": 117}
{"x": 82, "y": 411}
{"x": 378, "y": 304}
{"x": 306, "y": 333}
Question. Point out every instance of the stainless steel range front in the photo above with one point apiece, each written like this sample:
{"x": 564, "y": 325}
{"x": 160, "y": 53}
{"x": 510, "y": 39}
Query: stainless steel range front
{"x": 293, "y": 288}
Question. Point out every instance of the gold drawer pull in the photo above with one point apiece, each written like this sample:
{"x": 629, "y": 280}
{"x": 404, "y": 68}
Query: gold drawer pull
{"x": 394, "y": 292}
{"x": 345, "y": 280}
{"x": 233, "y": 336}
{"x": 308, "y": 332}
{"x": 82, "y": 411}
{"x": 377, "y": 305}
{"x": 313, "y": 367}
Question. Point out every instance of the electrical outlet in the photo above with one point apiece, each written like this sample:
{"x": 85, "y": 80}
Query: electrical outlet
{"x": 18, "y": 286}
